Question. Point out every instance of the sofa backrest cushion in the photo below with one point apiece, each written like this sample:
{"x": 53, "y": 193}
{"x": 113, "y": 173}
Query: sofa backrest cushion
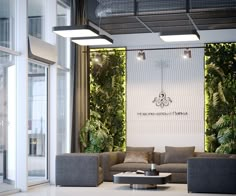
{"x": 136, "y": 157}
{"x": 157, "y": 158}
{"x": 162, "y": 157}
{"x": 178, "y": 154}
{"x": 150, "y": 151}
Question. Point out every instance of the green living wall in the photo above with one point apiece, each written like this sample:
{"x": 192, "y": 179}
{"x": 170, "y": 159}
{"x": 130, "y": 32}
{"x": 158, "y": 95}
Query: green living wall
{"x": 220, "y": 91}
{"x": 106, "y": 128}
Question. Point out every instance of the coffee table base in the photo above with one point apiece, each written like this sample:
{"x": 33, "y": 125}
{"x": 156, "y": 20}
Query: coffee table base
{"x": 140, "y": 181}
{"x": 143, "y": 186}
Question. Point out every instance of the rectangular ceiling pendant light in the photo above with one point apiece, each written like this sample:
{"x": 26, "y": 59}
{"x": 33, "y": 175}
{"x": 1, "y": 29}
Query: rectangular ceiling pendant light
{"x": 180, "y": 37}
{"x": 76, "y": 31}
{"x": 93, "y": 41}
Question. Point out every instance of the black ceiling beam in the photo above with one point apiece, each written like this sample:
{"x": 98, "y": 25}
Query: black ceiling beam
{"x": 135, "y": 7}
{"x": 149, "y": 23}
{"x": 170, "y": 20}
{"x": 187, "y": 6}
{"x": 122, "y": 19}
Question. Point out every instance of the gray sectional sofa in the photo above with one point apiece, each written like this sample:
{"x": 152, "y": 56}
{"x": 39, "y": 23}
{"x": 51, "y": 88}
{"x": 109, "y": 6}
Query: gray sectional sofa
{"x": 174, "y": 162}
{"x": 203, "y": 172}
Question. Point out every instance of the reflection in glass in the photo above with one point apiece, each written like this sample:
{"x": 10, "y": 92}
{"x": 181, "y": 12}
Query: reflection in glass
{"x": 63, "y": 19}
{"x": 36, "y": 18}
{"x": 63, "y": 45}
{"x": 7, "y": 23}
{"x": 37, "y": 123}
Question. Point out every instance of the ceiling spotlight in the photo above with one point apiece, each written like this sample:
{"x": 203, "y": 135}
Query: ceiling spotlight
{"x": 141, "y": 55}
{"x": 187, "y": 54}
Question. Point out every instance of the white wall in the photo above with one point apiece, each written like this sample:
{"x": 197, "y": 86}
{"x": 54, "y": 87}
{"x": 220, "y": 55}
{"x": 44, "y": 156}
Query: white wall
{"x": 183, "y": 82}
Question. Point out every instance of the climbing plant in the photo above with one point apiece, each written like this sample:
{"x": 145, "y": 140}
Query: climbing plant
{"x": 107, "y": 96}
{"x": 220, "y": 90}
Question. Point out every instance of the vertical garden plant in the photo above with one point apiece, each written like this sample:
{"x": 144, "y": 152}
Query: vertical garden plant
{"x": 107, "y": 99}
{"x": 220, "y": 90}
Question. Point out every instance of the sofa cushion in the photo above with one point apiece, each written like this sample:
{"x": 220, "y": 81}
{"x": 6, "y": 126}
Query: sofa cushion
{"x": 213, "y": 155}
{"x": 172, "y": 167}
{"x": 233, "y": 156}
{"x": 136, "y": 157}
{"x": 150, "y": 151}
{"x": 123, "y": 167}
{"x": 178, "y": 154}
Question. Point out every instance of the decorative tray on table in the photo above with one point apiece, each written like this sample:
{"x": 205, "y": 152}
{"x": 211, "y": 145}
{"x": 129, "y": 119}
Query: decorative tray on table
{"x": 148, "y": 172}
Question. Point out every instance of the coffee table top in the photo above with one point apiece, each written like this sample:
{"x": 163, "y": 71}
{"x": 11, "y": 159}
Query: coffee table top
{"x": 134, "y": 178}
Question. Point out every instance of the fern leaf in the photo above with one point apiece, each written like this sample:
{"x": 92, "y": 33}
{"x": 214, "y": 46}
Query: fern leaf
{"x": 215, "y": 99}
{"x": 221, "y": 93}
{"x": 216, "y": 69}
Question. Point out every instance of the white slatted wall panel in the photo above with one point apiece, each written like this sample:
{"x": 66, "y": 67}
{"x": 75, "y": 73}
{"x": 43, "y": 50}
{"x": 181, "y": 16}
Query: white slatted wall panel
{"x": 183, "y": 82}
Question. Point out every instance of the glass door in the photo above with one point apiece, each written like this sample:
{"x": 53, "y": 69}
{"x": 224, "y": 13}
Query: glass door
{"x": 37, "y": 124}
{"x": 7, "y": 122}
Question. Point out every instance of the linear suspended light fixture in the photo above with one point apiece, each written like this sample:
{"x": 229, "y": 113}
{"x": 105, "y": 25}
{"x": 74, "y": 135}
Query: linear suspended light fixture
{"x": 180, "y": 36}
{"x": 76, "y": 31}
{"x": 93, "y": 41}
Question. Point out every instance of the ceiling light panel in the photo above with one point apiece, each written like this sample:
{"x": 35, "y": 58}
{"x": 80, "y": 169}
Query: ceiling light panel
{"x": 193, "y": 36}
{"x": 93, "y": 41}
{"x": 75, "y": 31}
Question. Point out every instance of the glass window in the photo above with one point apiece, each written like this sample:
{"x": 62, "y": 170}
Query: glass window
{"x": 63, "y": 80}
{"x": 37, "y": 101}
{"x": 7, "y": 122}
{"x": 63, "y": 44}
{"x": 7, "y": 14}
{"x": 62, "y": 116}
{"x": 36, "y": 18}
{"x": 37, "y": 123}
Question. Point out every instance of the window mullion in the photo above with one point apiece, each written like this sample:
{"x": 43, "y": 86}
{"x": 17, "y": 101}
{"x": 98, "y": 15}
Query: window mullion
{"x": 21, "y": 95}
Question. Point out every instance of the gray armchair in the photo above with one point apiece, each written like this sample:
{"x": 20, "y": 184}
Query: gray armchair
{"x": 211, "y": 175}
{"x": 78, "y": 169}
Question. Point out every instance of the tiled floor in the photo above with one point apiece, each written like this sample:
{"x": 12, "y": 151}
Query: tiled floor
{"x": 6, "y": 187}
{"x": 110, "y": 189}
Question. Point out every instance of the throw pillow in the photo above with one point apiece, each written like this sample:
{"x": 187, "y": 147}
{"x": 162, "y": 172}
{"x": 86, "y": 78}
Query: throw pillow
{"x": 136, "y": 157}
{"x": 178, "y": 154}
{"x": 150, "y": 151}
